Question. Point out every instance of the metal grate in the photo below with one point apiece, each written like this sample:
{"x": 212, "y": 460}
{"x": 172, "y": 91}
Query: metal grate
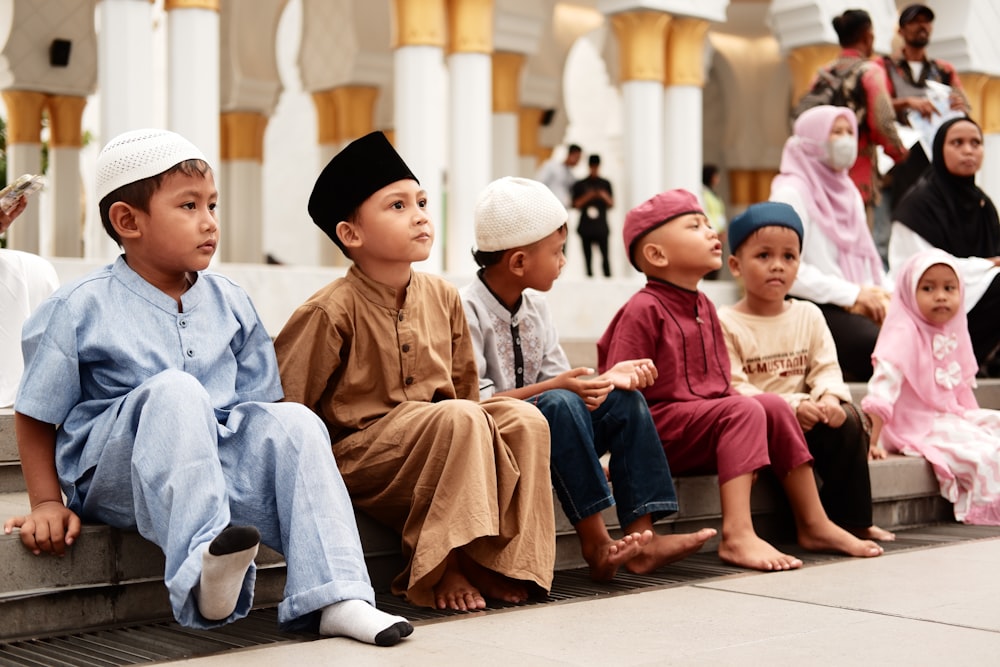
{"x": 154, "y": 642}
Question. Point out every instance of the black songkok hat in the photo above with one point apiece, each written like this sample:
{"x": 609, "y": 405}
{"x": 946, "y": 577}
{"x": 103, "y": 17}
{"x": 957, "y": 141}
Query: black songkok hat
{"x": 364, "y": 167}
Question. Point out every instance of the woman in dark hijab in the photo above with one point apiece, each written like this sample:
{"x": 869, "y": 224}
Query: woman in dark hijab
{"x": 947, "y": 210}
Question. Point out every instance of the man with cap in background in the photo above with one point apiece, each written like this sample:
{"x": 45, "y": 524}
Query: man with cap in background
{"x": 908, "y": 74}
{"x": 385, "y": 357}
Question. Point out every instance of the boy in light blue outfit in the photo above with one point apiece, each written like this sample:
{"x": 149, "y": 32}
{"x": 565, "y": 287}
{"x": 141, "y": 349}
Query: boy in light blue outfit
{"x": 149, "y": 400}
{"x": 520, "y": 236}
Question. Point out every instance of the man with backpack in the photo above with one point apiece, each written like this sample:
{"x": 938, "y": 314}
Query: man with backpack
{"x": 908, "y": 74}
{"x": 863, "y": 88}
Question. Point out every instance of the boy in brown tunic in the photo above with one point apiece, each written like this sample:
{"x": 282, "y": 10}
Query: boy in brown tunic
{"x": 383, "y": 355}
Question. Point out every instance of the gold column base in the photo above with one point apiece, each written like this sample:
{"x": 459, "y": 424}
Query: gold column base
{"x": 242, "y": 136}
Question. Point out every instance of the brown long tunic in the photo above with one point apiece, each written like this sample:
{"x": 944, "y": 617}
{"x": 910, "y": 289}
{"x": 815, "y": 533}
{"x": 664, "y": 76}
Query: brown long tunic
{"x": 398, "y": 389}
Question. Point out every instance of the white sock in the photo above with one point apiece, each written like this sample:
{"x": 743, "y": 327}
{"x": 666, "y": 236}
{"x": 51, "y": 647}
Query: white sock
{"x": 359, "y": 620}
{"x": 224, "y": 565}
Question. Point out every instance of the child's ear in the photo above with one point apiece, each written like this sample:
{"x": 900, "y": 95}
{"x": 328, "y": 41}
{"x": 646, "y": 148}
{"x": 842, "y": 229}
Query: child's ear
{"x": 516, "y": 262}
{"x": 655, "y": 254}
{"x": 734, "y": 266}
{"x": 348, "y": 234}
{"x": 122, "y": 218}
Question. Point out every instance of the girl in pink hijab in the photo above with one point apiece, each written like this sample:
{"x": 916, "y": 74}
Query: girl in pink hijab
{"x": 920, "y": 396}
{"x": 840, "y": 269}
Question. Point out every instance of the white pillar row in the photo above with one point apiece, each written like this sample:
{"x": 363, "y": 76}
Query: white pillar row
{"x": 124, "y": 63}
{"x": 24, "y": 156}
{"x": 419, "y": 97}
{"x": 470, "y": 154}
{"x": 505, "y": 159}
{"x": 193, "y": 73}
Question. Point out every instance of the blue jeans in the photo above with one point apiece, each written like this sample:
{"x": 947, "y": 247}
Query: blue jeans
{"x": 623, "y": 426}
{"x": 176, "y": 474}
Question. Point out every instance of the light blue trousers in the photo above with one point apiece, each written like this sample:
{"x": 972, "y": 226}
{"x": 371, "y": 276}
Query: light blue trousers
{"x": 179, "y": 475}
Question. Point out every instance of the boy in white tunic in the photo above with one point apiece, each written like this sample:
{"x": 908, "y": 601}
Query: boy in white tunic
{"x": 520, "y": 235}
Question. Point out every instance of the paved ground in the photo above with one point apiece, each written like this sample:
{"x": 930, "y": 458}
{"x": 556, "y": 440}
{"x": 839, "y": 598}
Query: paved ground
{"x": 918, "y": 607}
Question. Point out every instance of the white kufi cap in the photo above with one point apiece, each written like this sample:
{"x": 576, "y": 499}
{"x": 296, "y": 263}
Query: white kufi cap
{"x": 139, "y": 154}
{"x": 513, "y": 212}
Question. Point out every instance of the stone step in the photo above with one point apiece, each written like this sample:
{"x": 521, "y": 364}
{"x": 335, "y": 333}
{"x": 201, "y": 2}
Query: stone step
{"x": 113, "y": 577}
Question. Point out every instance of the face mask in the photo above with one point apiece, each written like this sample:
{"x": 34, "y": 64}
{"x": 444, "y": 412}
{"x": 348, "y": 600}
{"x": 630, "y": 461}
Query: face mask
{"x": 841, "y": 152}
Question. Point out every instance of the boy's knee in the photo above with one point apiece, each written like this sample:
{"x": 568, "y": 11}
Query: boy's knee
{"x": 558, "y": 402}
{"x": 173, "y": 387}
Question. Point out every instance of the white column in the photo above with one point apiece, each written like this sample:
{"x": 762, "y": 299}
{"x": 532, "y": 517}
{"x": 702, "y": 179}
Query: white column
{"x": 124, "y": 63}
{"x": 193, "y": 76}
{"x": 682, "y": 129}
{"x": 241, "y": 218}
{"x": 643, "y": 137}
{"x": 419, "y": 97}
{"x": 27, "y": 234}
{"x": 64, "y": 191}
{"x": 505, "y": 158}
{"x": 470, "y": 154}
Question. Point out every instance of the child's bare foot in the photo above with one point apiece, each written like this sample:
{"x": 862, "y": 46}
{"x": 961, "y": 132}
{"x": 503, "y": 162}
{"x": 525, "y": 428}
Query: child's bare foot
{"x": 492, "y": 584}
{"x": 664, "y": 549}
{"x": 605, "y": 559}
{"x": 756, "y": 554}
{"x": 828, "y": 536}
{"x": 873, "y": 532}
{"x": 455, "y": 591}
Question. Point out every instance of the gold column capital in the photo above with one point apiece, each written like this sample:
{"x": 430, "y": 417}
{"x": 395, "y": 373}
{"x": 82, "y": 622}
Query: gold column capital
{"x": 213, "y": 5}
{"x": 354, "y": 110}
{"x": 685, "y": 52}
{"x": 990, "y": 116}
{"x": 529, "y": 119}
{"x": 326, "y": 117}
{"x": 507, "y": 81}
{"x": 642, "y": 38}
{"x": 470, "y": 26}
{"x": 804, "y": 61}
{"x": 418, "y": 23}
{"x": 974, "y": 85}
{"x": 65, "y": 120}
{"x": 24, "y": 115}
{"x": 241, "y": 135}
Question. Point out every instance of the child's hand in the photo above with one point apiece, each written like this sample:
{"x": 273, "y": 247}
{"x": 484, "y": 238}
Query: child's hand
{"x": 809, "y": 413}
{"x": 593, "y": 392}
{"x": 49, "y": 528}
{"x": 834, "y": 413}
{"x": 632, "y": 374}
{"x": 875, "y": 452}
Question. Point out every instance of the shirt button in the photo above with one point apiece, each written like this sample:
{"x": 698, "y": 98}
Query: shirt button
{"x": 401, "y": 317}
{"x": 520, "y": 370}
{"x": 409, "y": 380}
{"x": 406, "y": 348}
{"x": 183, "y": 323}
{"x": 190, "y": 353}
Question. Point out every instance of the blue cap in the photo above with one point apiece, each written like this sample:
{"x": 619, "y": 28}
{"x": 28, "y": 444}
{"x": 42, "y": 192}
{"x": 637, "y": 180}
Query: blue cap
{"x": 764, "y": 214}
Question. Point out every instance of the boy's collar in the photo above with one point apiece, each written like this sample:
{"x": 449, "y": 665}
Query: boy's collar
{"x": 661, "y": 281}
{"x": 481, "y": 274}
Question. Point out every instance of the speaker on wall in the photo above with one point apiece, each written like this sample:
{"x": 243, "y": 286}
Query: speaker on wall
{"x": 59, "y": 52}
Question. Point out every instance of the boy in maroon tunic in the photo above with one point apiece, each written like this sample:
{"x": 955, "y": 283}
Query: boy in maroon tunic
{"x": 706, "y": 426}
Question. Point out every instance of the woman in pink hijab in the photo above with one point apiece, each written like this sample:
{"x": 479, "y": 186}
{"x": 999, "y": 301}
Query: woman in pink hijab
{"x": 840, "y": 268}
{"x": 920, "y": 395}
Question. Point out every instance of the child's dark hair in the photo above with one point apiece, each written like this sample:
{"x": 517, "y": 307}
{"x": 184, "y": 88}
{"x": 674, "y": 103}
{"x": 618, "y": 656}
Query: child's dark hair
{"x": 139, "y": 193}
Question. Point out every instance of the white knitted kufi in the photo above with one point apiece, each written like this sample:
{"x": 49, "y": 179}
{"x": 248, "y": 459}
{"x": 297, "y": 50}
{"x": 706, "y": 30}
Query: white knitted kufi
{"x": 139, "y": 154}
{"x": 513, "y": 212}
